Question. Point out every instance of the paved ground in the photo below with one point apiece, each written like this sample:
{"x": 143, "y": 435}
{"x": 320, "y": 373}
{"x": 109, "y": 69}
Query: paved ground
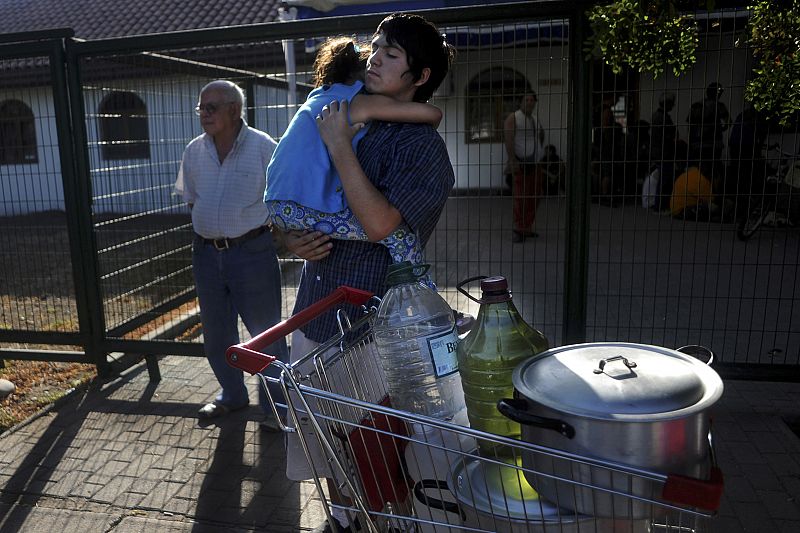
{"x": 651, "y": 278}
{"x": 132, "y": 457}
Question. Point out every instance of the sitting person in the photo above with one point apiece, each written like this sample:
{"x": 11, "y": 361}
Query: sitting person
{"x": 303, "y": 190}
{"x": 691, "y": 195}
{"x": 554, "y": 170}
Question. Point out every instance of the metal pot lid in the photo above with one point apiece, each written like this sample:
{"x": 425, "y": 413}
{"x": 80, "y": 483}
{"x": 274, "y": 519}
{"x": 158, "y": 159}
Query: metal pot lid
{"x": 503, "y": 493}
{"x": 618, "y": 381}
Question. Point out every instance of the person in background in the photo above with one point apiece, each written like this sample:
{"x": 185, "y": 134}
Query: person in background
{"x": 608, "y": 156}
{"x": 222, "y": 178}
{"x": 637, "y": 157}
{"x": 309, "y": 196}
{"x": 663, "y": 143}
{"x": 524, "y": 137}
{"x": 746, "y": 149}
{"x": 554, "y": 170}
{"x": 708, "y": 119}
{"x": 398, "y": 173}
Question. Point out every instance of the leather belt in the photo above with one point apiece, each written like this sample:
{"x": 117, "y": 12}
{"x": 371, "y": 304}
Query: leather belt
{"x": 227, "y": 242}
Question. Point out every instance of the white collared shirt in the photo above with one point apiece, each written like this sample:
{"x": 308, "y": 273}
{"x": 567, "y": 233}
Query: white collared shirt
{"x": 227, "y": 197}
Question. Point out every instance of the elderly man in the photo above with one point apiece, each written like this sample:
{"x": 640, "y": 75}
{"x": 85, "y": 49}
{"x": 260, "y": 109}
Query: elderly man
{"x": 524, "y": 137}
{"x": 222, "y": 178}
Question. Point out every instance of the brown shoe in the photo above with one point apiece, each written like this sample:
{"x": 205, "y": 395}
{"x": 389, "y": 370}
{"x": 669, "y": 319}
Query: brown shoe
{"x": 517, "y": 236}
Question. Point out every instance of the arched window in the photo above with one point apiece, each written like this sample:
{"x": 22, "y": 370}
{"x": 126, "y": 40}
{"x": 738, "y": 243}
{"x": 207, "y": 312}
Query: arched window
{"x": 124, "y": 133}
{"x": 491, "y": 95}
{"x": 17, "y": 134}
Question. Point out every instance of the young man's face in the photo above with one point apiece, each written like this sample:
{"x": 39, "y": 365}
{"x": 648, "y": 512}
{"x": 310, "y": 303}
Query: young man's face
{"x": 387, "y": 71}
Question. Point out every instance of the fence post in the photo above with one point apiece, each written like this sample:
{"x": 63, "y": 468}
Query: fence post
{"x": 72, "y": 204}
{"x": 90, "y": 313}
{"x": 576, "y": 261}
{"x": 250, "y": 95}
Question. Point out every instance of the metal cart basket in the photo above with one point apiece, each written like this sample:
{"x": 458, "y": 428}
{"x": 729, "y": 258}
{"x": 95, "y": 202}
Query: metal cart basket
{"x": 404, "y": 472}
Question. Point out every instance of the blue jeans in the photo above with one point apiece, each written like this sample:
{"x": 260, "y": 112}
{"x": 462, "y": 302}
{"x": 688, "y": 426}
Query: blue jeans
{"x": 245, "y": 281}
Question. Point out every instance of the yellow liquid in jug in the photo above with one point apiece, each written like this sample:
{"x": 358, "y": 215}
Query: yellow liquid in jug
{"x": 487, "y": 358}
{"x": 509, "y": 481}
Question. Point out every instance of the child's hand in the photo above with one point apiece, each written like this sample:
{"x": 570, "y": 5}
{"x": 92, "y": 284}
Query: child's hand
{"x": 334, "y": 128}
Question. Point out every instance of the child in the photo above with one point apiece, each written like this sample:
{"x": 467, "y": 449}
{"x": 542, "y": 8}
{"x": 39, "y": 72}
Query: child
{"x": 304, "y": 191}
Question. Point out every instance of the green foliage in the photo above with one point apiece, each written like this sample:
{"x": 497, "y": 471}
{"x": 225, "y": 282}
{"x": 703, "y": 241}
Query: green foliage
{"x": 645, "y": 35}
{"x": 774, "y": 38}
{"x": 650, "y": 35}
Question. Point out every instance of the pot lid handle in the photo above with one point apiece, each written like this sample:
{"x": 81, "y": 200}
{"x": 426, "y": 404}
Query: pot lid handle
{"x": 602, "y": 364}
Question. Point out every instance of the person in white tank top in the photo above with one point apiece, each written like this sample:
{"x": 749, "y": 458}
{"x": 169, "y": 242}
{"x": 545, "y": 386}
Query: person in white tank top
{"x": 524, "y": 138}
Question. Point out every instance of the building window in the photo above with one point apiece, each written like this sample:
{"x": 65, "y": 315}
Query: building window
{"x": 124, "y": 133}
{"x": 491, "y": 95}
{"x": 17, "y": 134}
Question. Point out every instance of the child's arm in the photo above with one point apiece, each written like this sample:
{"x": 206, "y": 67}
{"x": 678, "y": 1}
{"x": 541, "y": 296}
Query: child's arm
{"x": 366, "y": 107}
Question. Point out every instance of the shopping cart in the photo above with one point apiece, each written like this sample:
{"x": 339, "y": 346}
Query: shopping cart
{"x": 405, "y": 472}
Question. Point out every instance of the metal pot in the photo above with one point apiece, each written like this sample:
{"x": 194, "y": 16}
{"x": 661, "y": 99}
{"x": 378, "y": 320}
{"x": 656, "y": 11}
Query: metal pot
{"x": 630, "y": 405}
{"x": 497, "y": 498}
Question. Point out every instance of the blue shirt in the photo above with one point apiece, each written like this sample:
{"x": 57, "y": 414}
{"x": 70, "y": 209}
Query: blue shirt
{"x": 301, "y": 169}
{"x": 409, "y": 164}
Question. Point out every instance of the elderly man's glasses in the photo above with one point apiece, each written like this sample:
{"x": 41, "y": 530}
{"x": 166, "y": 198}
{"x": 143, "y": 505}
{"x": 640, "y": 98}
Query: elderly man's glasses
{"x": 210, "y": 108}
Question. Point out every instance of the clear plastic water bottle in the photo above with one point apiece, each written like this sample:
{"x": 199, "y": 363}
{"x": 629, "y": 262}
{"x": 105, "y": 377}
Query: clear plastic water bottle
{"x": 488, "y": 355}
{"x": 416, "y": 339}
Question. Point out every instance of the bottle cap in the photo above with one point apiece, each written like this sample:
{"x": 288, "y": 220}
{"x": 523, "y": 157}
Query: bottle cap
{"x": 405, "y": 272}
{"x": 494, "y": 289}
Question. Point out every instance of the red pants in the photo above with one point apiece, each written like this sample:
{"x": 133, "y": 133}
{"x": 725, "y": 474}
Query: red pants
{"x": 528, "y": 189}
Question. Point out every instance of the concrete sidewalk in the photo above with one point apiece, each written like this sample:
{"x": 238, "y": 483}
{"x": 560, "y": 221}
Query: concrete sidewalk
{"x": 131, "y": 456}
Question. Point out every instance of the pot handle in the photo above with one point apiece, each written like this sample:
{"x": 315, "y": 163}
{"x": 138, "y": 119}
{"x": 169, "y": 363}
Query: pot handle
{"x": 517, "y": 410}
{"x": 435, "y": 503}
{"x": 698, "y": 352}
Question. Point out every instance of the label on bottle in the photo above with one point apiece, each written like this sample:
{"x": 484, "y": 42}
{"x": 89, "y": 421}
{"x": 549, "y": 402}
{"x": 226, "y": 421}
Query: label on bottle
{"x": 443, "y": 353}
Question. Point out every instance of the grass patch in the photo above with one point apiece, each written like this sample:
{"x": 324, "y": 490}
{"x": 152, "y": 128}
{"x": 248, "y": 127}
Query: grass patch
{"x": 38, "y": 384}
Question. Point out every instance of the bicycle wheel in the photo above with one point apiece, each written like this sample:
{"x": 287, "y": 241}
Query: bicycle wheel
{"x": 748, "y": 226}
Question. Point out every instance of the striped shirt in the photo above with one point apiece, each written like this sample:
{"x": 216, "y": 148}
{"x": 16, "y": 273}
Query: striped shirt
{"x": 409, "y": 164}
{"x": 227, "y": 197}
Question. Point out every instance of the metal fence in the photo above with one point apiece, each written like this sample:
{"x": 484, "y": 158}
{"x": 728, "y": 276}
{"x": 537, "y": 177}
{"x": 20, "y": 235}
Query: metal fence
{"x": 98, "y": 247}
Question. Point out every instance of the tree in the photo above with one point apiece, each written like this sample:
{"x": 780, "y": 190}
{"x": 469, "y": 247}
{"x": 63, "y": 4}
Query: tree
{"x": 774, "y": 37}
{"x": 645, "y": 35}
{"x": 651, "y": 35}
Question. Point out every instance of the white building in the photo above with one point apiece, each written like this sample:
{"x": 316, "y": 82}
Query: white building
{"x": 138, "y": 119}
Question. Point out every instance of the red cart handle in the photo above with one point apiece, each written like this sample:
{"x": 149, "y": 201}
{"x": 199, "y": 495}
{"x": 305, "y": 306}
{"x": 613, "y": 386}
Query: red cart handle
{"x": 694, "y": 492}
{"x": 246, "y": 355}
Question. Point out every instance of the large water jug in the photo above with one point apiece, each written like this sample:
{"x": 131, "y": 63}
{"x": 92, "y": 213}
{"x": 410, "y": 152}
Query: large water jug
{"x": 488, "y": 355}
{"x": 416, "y": 338}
